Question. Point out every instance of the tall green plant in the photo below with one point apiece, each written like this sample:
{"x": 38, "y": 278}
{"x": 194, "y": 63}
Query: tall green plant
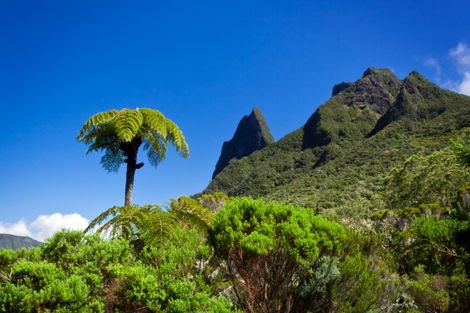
{"x": 120, "y": 134}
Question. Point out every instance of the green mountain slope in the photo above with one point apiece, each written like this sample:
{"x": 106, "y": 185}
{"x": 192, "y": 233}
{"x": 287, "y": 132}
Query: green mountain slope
{"x": 16, "y": 242}
{"x": 342, "y": 153}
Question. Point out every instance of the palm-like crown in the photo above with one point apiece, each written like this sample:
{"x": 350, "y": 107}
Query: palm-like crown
{"x": 111, "y": 129}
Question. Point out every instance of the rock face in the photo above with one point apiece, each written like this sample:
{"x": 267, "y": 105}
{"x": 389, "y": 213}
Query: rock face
{"x": 252, "y": 134}
{"x": 353, "y": 109}
{"x": 418, "y": 99}
{"x": 340, "y": 87}
{"x": 16, "y": 242}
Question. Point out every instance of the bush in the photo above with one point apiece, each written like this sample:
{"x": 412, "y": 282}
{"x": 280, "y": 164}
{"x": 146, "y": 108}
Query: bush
{"x": 269, "y": 248}
{"x": 73, "y": 272}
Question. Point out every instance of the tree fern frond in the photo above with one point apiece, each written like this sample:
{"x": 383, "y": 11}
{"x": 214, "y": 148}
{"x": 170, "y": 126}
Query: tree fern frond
{"x": 104, "y": 215}
{"x": 175, "y": 135}
{"x": 189, "y": 210}
{"x": 98, "y": 131}
{"x": 104, "y": 143}
{"x": 158, "y": 226}
{"x": 154, "y": 121}
{"x": 156, "y": 149}
{"x": 95, "y": 120}
{"x": 127, "y": 124}
{"x": 112, "y": 159}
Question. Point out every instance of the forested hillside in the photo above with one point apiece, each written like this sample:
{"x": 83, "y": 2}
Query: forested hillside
{"x": 339, "y": 159}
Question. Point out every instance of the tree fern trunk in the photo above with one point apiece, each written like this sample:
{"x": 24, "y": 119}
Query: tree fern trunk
{"x": 130, "y": 151}
{"x": 129, "y": 182}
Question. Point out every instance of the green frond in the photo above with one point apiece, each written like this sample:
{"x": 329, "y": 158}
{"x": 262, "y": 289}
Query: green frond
{"x": 154, "y": 122}
{"x": 96, "y": 120}
{"x": 103, "y": 141}
{"x": 124, "y": 221}
{"x": 159, "y": 226}
{"x": 112, "y": 159}
{"x": 127, "y": 124}
{"x": 156, "y": 149}
{"x": 191, "y": 211}
{"x": 100, "y": 218}
{"x": 177, "y": 138}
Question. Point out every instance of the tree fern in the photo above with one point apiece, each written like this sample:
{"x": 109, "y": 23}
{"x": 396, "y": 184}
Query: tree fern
{"x": 152, "y": 224}
{"x": 120, "y": 133}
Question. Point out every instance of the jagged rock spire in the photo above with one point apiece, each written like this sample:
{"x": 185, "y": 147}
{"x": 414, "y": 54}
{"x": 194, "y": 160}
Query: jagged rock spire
{"x": 251, "y": 135}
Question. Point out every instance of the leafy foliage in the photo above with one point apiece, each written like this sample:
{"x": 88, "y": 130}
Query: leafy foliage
{"x": 463, "y": 152}
{"x": 72, "y": 272}
{"x": 259, "y": 240}
{"x": 434, "y": 178}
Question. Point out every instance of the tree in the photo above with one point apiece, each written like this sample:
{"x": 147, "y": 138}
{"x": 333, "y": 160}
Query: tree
{"x": 270, "y": 251}
{"x": 120, "y": 134}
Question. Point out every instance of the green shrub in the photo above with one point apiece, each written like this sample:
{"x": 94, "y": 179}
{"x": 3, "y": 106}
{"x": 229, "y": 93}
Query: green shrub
{"x": 259, "y": 240}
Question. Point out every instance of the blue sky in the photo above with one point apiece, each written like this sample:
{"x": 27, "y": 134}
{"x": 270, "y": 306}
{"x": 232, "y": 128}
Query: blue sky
{"x": 204, "y": 64}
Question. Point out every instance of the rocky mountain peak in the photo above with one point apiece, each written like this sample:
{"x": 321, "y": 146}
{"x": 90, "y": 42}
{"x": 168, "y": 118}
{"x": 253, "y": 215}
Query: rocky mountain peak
{"x": 252, "y": 134}
{"x": 377, "y": 89}
{"x": 339, "y": 88}
{"x": 377, "y": 71}
{"x": 417, "y": 99}
{"x": 354, "y": 108}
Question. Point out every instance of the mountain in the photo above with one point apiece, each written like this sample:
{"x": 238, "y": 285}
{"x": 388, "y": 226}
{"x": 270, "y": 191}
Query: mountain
{"x": 343, "y": 152}
{"x": 16, "y": 242}
{"x": 252, "y": 134}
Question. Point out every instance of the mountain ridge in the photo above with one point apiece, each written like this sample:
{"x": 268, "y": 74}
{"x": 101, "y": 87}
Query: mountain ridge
{"x": 8, "y": 241}
{"x": 350, "y": 142}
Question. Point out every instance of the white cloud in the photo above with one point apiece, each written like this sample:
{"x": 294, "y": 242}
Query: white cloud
{"x": 464, "y": 86}
{"x": 461, "y": 55}
{"x": 45, "y": 225}
{"x": 19, "y": 228}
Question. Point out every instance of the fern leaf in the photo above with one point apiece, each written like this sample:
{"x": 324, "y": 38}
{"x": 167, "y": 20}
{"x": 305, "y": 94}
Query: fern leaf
{"x": 96, "y": 120}
{"x": 127, "y": 124}
{"x": 177, "y": 138}
{"x": 109, "y": 212}
{"x": 154, "y": 121}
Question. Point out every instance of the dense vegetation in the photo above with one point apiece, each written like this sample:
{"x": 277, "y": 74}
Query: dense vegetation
{"x": 366, "y": 209}
{"x": 219, "y": 254}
